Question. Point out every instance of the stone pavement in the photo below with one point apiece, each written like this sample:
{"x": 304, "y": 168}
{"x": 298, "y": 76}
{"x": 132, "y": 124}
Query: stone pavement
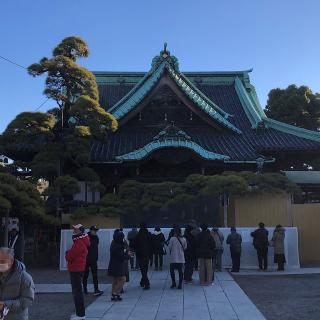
{"x": 223, "y": 301}
{"x": 66, "y": 288}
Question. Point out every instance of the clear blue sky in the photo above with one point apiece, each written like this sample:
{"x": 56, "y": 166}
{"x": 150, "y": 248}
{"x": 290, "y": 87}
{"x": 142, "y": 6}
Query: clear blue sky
{"x": 278, "y": 38}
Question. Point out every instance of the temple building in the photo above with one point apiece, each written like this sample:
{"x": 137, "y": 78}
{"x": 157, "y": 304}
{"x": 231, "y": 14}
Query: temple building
{"x": 173, "y": 124}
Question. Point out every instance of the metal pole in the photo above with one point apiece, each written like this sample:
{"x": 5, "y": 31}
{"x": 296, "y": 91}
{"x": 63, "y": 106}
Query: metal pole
{"x": 6, "y": 229}
{"x": 225, "y": 210}
{"x": 290, "y": 210}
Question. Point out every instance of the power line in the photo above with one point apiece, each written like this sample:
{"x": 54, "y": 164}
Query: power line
{"x": 20, "y": 66}
{"x": 12, "y": 62}
{"x": 44, "y": 102}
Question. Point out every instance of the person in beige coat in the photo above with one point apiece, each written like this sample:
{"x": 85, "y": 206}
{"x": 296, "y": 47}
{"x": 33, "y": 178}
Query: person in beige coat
{"x": 277, "y": 242}
{"x": 218, "y": 237}
{"x": 177, "y": 245}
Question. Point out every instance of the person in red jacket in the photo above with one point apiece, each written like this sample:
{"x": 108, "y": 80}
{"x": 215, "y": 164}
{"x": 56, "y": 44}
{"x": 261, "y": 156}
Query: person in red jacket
{"x": 76, "y": 258}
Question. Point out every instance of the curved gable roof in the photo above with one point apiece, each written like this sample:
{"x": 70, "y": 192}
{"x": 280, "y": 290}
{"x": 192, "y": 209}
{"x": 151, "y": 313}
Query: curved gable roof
{"x": 171, "y": 137}
{"x": 232, "y": 99}
{"x": 167, "y": 63}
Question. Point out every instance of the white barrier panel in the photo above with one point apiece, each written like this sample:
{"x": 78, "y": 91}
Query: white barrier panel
{"x": 248, "y": 256}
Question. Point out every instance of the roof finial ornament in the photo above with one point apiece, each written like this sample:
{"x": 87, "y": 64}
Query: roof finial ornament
{"x": 165, "y": 53}
{"x": 165, "y": 56}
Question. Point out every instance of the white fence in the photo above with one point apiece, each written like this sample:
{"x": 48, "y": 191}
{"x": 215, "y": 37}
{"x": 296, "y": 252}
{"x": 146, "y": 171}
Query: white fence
{"x": 248, "y": 256}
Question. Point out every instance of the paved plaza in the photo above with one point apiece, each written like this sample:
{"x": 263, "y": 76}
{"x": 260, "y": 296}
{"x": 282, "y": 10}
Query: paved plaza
{"x": 288, "y": 295}
{"x": 223, "y": 301}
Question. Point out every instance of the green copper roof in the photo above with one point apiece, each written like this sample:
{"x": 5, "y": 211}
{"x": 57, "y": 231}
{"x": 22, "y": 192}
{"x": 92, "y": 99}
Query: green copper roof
{"x": 201, "y": 77}
{"x": 145, "y": 85}
{"x": 201, "y": 100}
{"x": 155, "y": 145}
{"x": 287, "y": 128}
{"x": 171, "y": 137}
{"x": 130, "y": 100}
{"x": 245, "y": 91}
{"x": 257, "y": 116}
{"x": 247, "y": 104}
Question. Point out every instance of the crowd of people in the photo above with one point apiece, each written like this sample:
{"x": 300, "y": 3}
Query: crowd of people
{"x": 196, "y": 249}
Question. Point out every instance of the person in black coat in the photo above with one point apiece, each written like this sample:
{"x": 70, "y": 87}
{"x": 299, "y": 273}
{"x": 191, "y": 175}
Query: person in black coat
{"x": 117, "y": 265}
{"x": 261, "y": 243}
{"x": 92, "y": 262}
{"x": 131, "y": 238}
{"x": 205, "y": 253}
{"x": 234, "y": 240}
{"x": 190, "y": 254}
{"x": 158, "y": 248}
{"x": 143, "y": 248}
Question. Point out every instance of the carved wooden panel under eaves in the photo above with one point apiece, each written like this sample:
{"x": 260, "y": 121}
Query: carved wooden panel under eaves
{"x": 164, "y": 108}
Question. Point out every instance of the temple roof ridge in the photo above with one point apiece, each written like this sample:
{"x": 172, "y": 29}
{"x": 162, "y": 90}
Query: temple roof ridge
{"x": 218, "y": 72}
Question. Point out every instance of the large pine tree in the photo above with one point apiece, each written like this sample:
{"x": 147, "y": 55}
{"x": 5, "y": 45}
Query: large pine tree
{"x": 57, "y": 142}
